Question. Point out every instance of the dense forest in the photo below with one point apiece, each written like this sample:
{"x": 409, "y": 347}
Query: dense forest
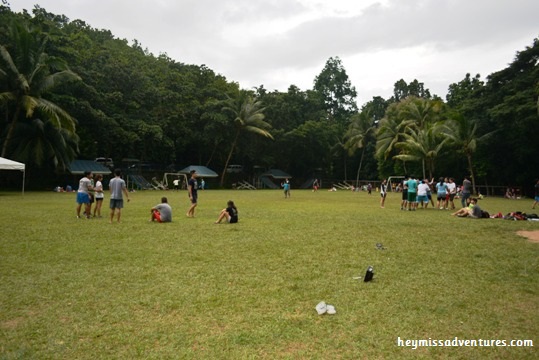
{"x": 69, "y": 91}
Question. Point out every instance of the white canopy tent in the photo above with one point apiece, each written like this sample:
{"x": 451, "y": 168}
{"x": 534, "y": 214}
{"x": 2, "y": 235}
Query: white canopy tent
{"x": 6, "y": 164}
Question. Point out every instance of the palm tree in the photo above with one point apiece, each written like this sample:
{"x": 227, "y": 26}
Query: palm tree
{"x": 418, "y": 112}
{"x": 390, "y": 132}
{"x": 27, "y": 73}
{"x": 423, "y": 145}
{"x": 462, "y": 133}
{"x": 249, "y": 117}
{"x": 39, "y": 142}
{"x": 360, "y": 127}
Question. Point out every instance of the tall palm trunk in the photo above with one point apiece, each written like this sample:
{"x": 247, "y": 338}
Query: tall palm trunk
{"x": 360, "y": 164}
{"x": 10, "y": 131}
{"x": 230, "y": 156}
{"x": 472, "y": 176}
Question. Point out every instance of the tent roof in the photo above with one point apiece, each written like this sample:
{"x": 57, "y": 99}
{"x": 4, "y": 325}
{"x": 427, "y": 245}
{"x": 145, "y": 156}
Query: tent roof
{"x": 6, "y": 164}
{"x": 80, "y": 166}
{"x": 201, "y": 171}
{"x": 277, "y": 174}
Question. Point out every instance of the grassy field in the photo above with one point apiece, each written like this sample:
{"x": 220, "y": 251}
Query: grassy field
{"x": 87, "y": 289}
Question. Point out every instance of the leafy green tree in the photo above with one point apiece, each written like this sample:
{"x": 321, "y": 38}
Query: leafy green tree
{"x": 401, "y": 90}
{"x": 29, "y": 74}
{"x": 337, "y": 91}
{"x": 248, "y": 116}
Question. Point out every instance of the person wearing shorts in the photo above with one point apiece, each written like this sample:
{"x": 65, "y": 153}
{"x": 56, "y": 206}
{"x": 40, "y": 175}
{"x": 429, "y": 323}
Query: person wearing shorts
{"x": 441, "y": 191}
{"x": 161, "y": 212}
{"x": 422, "y": 197}
{"x": 412, "y": 193}
{"x": 404, "y": 201}
{"x": 99, "y": 196}
{"x": 192, "y": 188}
{"x": 383, "y": 193}
{"x": 536, "y": 194}
{"x": 83, "y": 197}
{"x": 452, "y": 190}
{"x": 230, "y": 213}
{"x": 117, "y": 187}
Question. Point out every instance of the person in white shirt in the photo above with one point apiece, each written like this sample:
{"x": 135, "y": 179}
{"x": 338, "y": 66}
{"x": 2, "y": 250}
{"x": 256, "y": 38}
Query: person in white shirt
{"x": 422, "y": 190}
{"x": 452, "y": 189}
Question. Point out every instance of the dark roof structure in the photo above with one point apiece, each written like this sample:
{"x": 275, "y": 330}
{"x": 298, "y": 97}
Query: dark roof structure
{"x": 78, "y": 167}
{"x": 277, "y": 174}
{"x": 202, "y": 171}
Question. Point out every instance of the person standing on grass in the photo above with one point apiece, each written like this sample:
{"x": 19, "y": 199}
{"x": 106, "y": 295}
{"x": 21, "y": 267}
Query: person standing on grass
{"x": 192, "y": 188}
{"x": 422, "y": 197}
{"x": 286, "y": 188}
{"x": 99, "y": 195}
{"x": 230, "y": 213}
{"x": 441, "y": 191}
{"x": 452, "y": 190}
{"x": 117, "y": 187}
{"x": 412, "y": 193}
{"x": 536, "y": 194}
{"x": 83, "y": 194}
{"x": 466, "y": 191}
{"x": 404, "y": 201}
{"x": 383, "y": 193}
{"x": 161, "y": 212}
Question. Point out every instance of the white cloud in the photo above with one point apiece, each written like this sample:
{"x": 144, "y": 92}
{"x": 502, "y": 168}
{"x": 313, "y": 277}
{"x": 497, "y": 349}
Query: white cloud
{"x": 277, "y": 43}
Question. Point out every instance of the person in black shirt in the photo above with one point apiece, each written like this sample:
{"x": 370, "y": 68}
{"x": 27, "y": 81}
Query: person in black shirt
{"x": 230, "y": 213}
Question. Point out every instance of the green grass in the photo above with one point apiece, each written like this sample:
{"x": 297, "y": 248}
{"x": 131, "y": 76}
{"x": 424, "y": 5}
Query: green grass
{"x": 87, "y": 289}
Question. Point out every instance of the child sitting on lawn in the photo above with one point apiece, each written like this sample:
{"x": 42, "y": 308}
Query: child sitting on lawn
{"x": 230, "y": 213}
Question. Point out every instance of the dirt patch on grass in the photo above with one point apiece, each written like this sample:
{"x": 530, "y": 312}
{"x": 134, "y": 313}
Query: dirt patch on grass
{"x": 533, "y": 236}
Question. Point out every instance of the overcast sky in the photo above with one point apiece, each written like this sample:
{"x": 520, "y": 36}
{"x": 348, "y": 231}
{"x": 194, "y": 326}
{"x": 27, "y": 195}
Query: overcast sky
{"x": 278, "y": 43}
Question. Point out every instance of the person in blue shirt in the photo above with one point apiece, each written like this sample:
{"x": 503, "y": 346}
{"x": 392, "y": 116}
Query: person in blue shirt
{"x": 441, "y": 190}
{"x": 286, "y": 188}
{"x": 412, "y": 193}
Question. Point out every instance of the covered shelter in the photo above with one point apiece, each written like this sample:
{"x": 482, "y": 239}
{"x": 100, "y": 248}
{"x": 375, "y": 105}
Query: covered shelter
{"x": 275, "y": 174}
{"x": 6, "y": 164}
{"x": 78, "y": 167}
{"x": 202, "y": 171}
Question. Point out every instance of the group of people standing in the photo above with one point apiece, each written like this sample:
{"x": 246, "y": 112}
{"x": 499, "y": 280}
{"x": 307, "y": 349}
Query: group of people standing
{"x": 90, "y": 191}
{"x": 162, "y": 212}
{"x": 416, "y": 192}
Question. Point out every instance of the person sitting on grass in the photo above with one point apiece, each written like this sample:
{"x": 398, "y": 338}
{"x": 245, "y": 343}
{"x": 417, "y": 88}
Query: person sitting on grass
{"x": 473, "y": 210}
{"x": 162, "y": 212}
{"x": 230, "y": 213}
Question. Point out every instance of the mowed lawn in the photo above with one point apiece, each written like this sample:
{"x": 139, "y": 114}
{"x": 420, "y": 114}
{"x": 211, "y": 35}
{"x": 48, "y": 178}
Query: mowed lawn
{"x": 87, "y": 289}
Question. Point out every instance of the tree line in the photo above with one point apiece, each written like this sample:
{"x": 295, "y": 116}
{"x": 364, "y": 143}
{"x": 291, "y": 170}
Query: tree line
{"x": 69, "y": 91}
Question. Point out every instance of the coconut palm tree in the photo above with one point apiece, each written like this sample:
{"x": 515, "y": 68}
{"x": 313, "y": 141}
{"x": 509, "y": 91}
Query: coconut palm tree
{"x": 360, "y": 127}
{"x": 423, "y": 145}
{"x": 248, "y": 116}
{"x": 28, "y": 73}
{"x": 463, "y": 134}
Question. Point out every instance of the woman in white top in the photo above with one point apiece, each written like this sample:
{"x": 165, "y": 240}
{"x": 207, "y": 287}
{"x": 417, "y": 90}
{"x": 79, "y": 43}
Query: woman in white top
{"x": 99, "y": 195}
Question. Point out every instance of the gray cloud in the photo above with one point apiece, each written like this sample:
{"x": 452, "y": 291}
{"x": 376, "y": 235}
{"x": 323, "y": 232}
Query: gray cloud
{"x": 282, "y": 42}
